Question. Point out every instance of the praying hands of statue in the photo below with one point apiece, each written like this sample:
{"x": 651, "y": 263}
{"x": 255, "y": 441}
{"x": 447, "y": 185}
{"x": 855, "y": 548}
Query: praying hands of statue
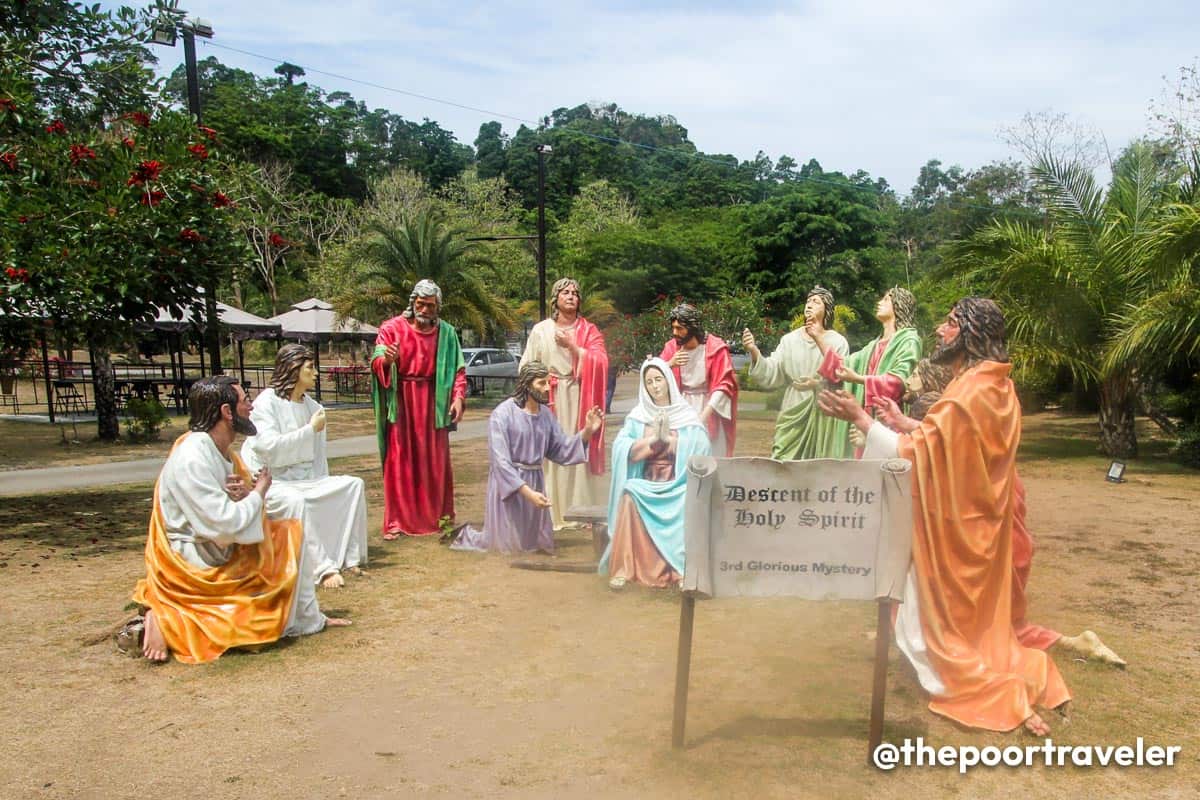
{"x": 887, "y": 412}
{"x": 318, "y": 421}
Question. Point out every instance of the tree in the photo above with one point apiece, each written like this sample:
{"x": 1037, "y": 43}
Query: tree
{"x": 422, "y": 246}
{"x": 79, "y": 63}
{"x": 100, "y": 228}
{"x": 1073, "y": 290}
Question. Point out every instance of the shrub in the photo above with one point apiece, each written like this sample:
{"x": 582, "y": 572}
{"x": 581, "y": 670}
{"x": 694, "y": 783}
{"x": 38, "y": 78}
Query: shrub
{"x": 1186, "y": 449}
{"x": 144, "y": 419}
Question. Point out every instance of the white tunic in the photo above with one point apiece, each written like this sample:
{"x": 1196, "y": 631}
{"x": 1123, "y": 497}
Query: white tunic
{"x": 882, "y": 442}
{"x": 694, "y": 377}
{"x": 331, "y": 508}
{"x": 203, "y": 524}
{"x": 574, "y": 485}
{"x": 797, "y": 357}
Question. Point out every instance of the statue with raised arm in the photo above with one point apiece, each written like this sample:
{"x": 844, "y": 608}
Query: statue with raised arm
{"x": 291, "y": 440}
{"x": 573, "y": 349}
{"x": 801, "y": 430}
{"x": 703, "y": 371}
{"x": 221, "y": 572}
{"x": 419, "y": 390}
{"x": 955, "y": 625}
{"x": 879, "y": 369}
{"x": 523, "y": 434}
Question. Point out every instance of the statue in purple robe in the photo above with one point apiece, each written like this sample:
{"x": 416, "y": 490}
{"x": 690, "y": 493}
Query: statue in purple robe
{"x": 523, "y": 433}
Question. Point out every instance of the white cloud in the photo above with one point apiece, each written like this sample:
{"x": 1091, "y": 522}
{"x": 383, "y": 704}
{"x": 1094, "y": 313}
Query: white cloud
{"x": 880, "y": 86}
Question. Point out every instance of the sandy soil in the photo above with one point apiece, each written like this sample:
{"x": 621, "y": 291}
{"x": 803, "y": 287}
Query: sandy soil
{"x": 463, "y": 677}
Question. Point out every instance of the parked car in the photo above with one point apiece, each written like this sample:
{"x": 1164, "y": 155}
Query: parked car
{"x": 488, "y": 367}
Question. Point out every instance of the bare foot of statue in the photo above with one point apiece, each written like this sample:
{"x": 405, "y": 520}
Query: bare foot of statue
{"x": 337, "y": 622}
{"x": 1088, "y": 645}
{"x": 357, "y": 572}
{"x": 333, "y": 580}
{"x": 154, "y": 646}
{"x": 1037, "y": 726}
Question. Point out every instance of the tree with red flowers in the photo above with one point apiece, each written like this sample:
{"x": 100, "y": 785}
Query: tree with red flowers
{"x": 96, "y": 234}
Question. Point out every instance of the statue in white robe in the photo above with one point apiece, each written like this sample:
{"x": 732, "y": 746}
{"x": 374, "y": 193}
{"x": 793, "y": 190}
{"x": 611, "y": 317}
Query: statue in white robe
{"x": 291, "y": 441}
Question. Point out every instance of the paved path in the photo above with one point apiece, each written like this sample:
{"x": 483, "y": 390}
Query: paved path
{"x": 145, "y": 470}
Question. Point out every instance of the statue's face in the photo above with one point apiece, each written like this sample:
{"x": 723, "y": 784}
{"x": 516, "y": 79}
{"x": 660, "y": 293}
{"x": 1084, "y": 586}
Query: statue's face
{"x": 306, "y": 378}
{"x": 656, "y": 387}
{"x": 539, "y": 390}
{"x": 680, "y": 332}
{"x": 814, "y": 310}
{"x": 913, "y": 382}
{"x": 885, "y": 310}
{"x": 568, "y": 299}
{"x": 950, "y": 345}
{"x": 425, "y": 309}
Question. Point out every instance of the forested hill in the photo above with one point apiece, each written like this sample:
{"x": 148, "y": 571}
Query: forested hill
{"x": 705, "y": 222}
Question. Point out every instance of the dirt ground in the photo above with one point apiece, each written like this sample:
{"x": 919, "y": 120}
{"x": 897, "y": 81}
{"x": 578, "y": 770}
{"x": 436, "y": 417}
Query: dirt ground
{"x": 462, "y": 677}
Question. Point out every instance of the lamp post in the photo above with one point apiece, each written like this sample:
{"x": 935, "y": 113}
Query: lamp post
{"x": 542, "y": 150}
{"x": 190, "y": 29}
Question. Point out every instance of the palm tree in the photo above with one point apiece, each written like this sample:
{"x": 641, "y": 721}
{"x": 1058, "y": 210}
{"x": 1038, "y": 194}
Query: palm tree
{"x": 1071, "y": 288}
{"x": 394, "y": 258}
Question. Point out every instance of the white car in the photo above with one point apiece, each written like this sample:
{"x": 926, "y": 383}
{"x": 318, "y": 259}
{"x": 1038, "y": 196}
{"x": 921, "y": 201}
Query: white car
{"x": 489, "y": 368}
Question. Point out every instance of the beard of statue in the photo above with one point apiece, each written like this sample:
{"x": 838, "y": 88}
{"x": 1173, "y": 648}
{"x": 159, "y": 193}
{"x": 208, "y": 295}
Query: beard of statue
{"x": 541, "y": 398}
{"x": 948, "y": 352}
{"x": 243, "y": 425}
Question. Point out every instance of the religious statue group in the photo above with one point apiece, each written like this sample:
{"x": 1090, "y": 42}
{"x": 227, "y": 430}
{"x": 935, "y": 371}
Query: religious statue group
{"x": 239, "y": 544}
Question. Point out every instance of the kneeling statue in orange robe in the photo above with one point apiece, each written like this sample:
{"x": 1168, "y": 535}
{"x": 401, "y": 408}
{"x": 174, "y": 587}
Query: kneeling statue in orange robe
{"x": 219, "y": 573}
{"x": 956, "y": 623}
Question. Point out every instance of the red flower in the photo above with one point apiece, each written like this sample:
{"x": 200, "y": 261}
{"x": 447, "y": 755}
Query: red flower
{"x": 209, "y": 133}
{"x": 139, "y": 118}
{"x": 57, "y": 127}
{"x": 221, "y": 200}
{"x": 80, "y": 152}
{"x": 129, "y": 143}
{"x": 22, "y": 219}
{"x": 189, "y": 235}
{"x": 15, "y": 274}
{"x": 198, "y": 150}
{"x": 278, "y": 241}
{"x": 145, "y": 171}
{"x": 152, "y": 197}
{"x": 8, "y": 104}
{"x": 9, "y": 160}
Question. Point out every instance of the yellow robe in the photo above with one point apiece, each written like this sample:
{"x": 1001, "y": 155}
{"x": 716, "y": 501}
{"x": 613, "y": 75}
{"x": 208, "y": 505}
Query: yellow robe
{"x": 245, "y": 601}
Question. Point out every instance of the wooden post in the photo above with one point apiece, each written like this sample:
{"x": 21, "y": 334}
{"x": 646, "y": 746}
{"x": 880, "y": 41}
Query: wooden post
{"x": 883, "y": 635}
{"x": 46, "y": 374}
{"x": 683, "y": 667}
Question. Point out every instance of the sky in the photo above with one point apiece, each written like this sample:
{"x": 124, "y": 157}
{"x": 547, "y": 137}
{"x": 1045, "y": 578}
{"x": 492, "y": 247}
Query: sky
{"x": 856, "y": 84}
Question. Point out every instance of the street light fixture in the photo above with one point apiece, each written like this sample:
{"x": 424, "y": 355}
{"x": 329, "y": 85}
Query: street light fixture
{"x": 542, "y": 150}
{"x": 165, "y": 35}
